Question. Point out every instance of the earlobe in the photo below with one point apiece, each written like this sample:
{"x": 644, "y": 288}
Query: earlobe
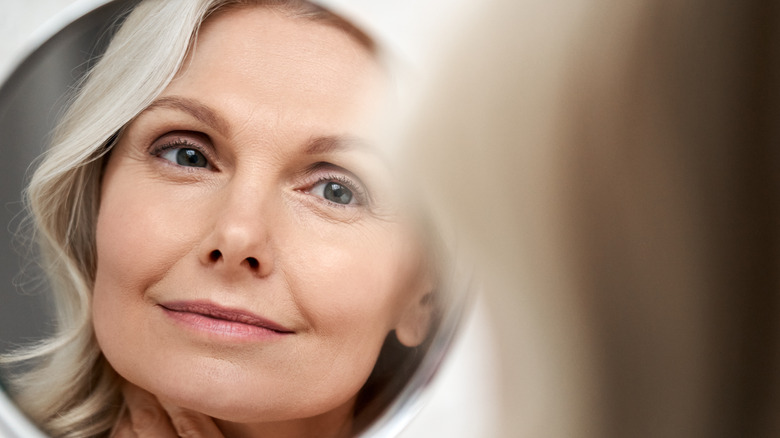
{"x": 415, "y": 322}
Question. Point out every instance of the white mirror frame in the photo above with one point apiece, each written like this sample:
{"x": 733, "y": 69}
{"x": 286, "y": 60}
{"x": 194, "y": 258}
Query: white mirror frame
{"x": 13, "y": 423}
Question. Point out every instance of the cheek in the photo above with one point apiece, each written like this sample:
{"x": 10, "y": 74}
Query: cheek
{"x": 359, "y": 283}
{"x": 136, "y": 245}
{"x": 119, "y": 284}
{"x": 118, "y": 241}
{"x": 141, "y": 231}
{"x": 353, "y": 293}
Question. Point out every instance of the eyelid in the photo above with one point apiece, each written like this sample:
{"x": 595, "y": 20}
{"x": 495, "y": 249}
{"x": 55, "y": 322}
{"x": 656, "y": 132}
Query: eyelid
{"x": 173, "y": 141}
{"x": 323, "y": 172}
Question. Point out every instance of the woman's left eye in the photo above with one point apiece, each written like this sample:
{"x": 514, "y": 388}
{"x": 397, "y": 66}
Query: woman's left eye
{"x": 334, "y": 191}
{"x": 187, "y": 157}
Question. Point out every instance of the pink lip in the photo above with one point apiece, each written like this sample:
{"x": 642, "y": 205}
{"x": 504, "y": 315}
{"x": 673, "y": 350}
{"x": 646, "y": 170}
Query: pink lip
{"x": 215, "y": 319}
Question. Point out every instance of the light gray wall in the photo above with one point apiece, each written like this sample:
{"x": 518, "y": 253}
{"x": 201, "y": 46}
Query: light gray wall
{"x": 22, "y": 314}
{"x": 31, "y": 99}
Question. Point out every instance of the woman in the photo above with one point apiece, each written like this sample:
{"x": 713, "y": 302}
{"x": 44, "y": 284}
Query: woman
{"x": 222, "y": 234}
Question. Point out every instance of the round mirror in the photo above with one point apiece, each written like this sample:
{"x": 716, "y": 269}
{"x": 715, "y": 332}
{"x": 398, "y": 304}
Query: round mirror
{"x": 360, "y": 304}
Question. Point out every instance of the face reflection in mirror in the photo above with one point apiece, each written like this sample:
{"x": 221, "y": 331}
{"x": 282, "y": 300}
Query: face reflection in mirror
{"x": 252, "y": 251}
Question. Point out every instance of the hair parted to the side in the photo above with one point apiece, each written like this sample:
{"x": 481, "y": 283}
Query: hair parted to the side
{"x": 69, "y": 389}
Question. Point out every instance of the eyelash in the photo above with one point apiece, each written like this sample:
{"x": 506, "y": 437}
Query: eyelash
{"x": 357, "y": 190}
{"x": 180, "y": 143}
{"x": 361, "y": 196}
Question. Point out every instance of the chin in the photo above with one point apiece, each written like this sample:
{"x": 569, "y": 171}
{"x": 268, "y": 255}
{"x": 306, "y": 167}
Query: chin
{"x": 238, "y": 401}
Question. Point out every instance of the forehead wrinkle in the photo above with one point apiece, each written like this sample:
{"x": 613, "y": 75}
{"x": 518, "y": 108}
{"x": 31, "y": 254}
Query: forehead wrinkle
{"x": 201, "y": 112}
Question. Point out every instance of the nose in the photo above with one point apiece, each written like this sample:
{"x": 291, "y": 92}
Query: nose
{"x": 240, "y": 241}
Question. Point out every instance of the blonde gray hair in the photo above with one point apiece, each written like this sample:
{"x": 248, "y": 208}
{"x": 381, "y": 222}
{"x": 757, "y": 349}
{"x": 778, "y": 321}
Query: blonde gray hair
{"x": 71, "y": 390}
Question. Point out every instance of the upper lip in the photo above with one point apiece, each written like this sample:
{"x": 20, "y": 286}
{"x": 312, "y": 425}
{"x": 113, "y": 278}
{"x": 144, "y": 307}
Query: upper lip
{"x": 216, "y": 311}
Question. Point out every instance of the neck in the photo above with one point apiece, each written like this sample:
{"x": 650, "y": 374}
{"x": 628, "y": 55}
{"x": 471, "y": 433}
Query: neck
{"x": 333, "y": 424}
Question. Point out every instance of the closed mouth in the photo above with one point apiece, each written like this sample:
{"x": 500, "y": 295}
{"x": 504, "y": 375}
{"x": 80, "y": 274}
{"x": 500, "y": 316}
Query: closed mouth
{"x": 219, "y": 313}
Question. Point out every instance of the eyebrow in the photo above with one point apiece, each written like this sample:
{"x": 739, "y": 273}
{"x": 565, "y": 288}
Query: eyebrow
{"x": 344, "y": 143}
{"x": 334, "y": 143}
{"x": 322, "y": 145}
{"x": 203, "y": 113}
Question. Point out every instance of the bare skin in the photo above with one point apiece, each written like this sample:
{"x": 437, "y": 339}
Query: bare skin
{"x": 146, "y": 417}
{"x": 252, "y": 256}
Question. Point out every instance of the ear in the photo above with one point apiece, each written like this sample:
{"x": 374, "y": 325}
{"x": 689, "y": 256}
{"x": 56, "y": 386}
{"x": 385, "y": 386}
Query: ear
{"x": 415, "y": 321}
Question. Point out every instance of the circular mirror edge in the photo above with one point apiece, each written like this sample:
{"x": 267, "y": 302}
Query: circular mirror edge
{"x": 38, "y": 39}
{"x": 411, "y": 401}
{"x": 13, "y": 423}
{"x": 407, "y": 405}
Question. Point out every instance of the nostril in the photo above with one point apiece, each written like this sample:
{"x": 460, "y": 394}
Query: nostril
{"x": 215, "y": 255}
{"x": 253, "y": 263}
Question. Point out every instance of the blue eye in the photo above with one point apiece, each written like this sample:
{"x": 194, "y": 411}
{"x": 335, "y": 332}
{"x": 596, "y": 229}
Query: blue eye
{"x": 334, "y": 192}
{"x": 187, "y": 157}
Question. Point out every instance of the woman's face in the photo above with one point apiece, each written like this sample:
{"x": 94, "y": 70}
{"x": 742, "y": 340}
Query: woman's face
{"x": 251, "y": 253}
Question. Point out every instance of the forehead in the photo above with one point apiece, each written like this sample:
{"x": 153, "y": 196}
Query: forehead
{"x": 257, "y": 58}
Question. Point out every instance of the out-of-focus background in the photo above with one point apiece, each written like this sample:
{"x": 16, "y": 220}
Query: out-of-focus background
{"x": 614, "y": 168}
{"x": 461, "y": 401}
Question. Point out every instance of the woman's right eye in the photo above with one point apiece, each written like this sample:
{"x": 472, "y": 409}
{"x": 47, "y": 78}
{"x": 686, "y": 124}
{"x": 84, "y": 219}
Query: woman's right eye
{"x": 187, "y": 157}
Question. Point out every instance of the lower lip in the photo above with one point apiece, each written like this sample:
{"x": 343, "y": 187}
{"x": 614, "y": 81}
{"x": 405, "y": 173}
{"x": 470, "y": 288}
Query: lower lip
{"x": 222, "y": 329}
